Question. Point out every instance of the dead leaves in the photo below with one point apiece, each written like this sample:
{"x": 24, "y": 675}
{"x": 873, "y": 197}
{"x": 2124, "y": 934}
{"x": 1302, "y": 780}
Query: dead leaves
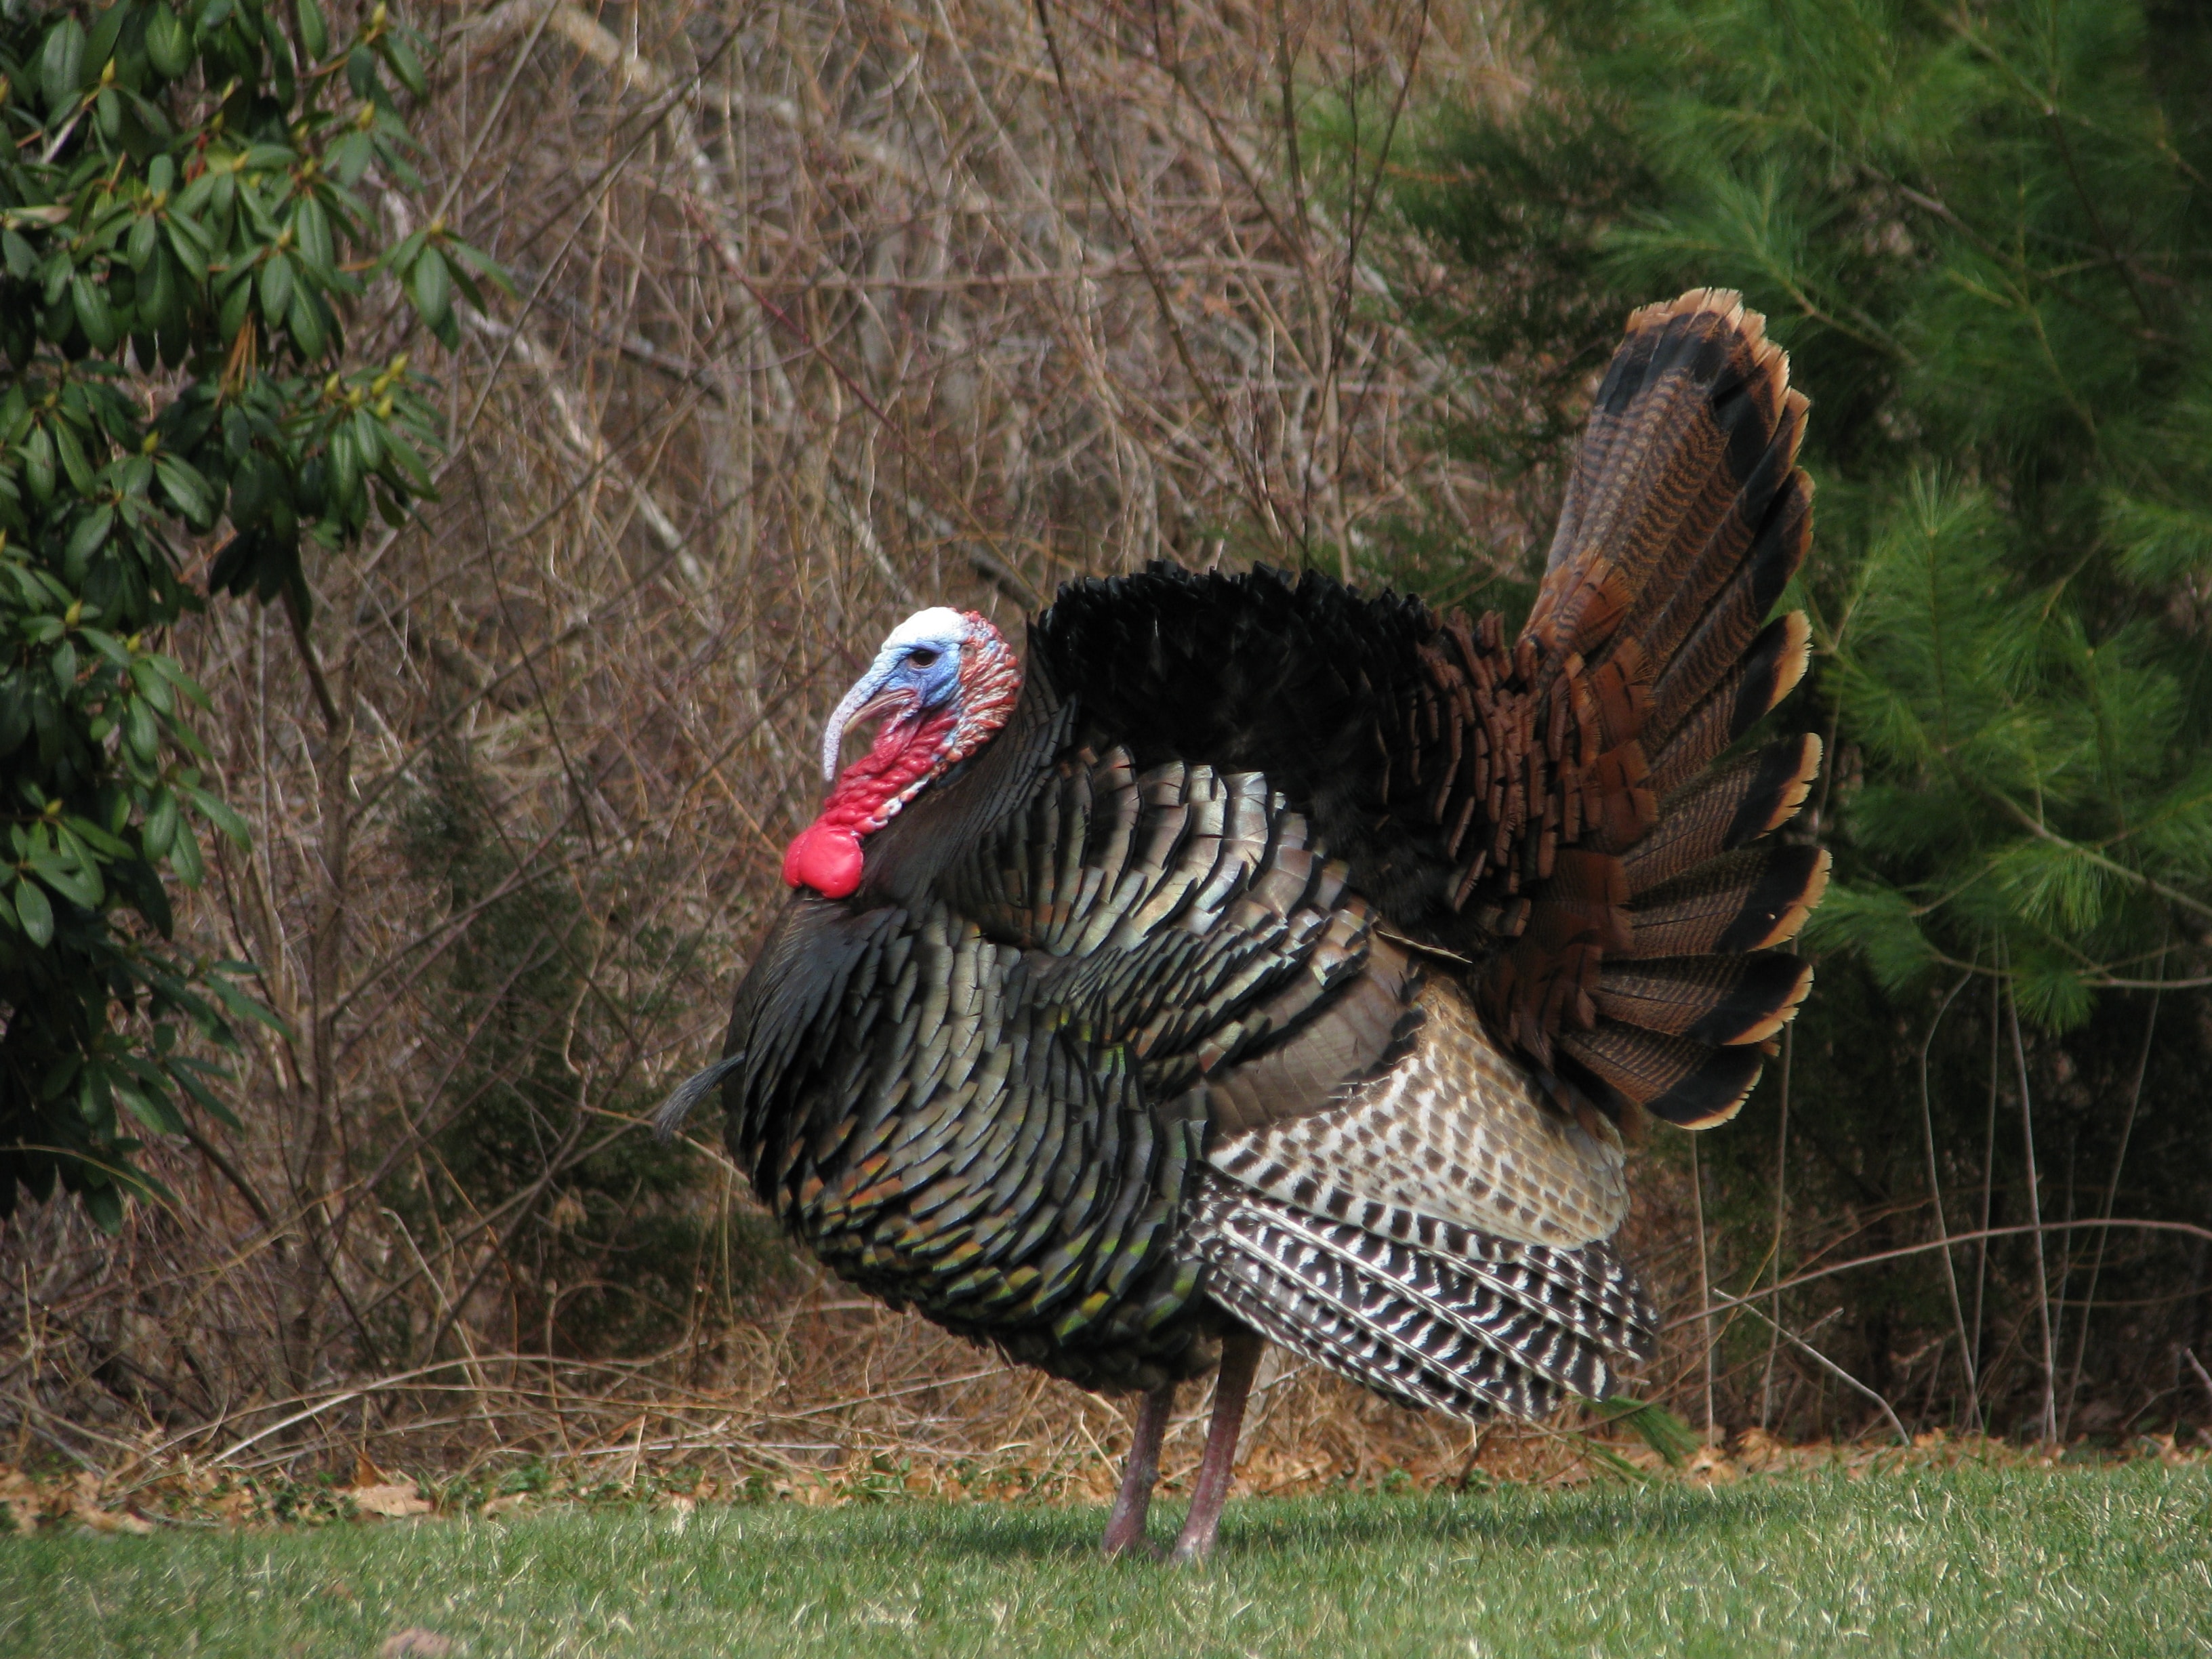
{"x": 396, "y": 1499}
{"x": 375, "y": 1492}
{"x": 21, "y": 1496}
{"x": 136, "y": 1501}
{"x": 80, "y": 1499}
{"x": 100, "y": 1520}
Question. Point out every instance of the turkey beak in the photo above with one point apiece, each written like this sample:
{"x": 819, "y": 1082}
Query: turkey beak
{"x": 869, "y": 698}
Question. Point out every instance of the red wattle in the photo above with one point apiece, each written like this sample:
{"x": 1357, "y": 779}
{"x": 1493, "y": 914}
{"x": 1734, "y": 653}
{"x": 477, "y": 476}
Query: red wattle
{"x": 826, "y": 857}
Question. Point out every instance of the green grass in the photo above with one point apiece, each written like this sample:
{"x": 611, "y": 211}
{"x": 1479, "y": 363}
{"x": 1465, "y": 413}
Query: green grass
{"x": 1971, "y": 1560}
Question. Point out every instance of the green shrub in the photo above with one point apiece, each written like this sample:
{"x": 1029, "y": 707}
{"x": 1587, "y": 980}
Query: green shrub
{"x": 182, "y": 239}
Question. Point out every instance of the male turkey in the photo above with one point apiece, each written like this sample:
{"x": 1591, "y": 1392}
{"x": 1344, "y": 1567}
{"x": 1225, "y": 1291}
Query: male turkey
{"x": 1272, "y": 962}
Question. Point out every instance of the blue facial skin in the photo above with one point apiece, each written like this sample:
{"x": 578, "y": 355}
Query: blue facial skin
{"x": 916, "y": 672}
{"x": 930, "y": 670}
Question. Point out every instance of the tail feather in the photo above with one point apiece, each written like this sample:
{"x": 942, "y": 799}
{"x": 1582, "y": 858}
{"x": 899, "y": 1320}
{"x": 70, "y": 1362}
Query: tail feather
{"x": 1756, "y": 547}
{"x": 1704, "y": 707}
{"x": 1750, "y": 899}
{"x": 1687, "y": 1083}
{"x": 1688, "y": 408}
{"x": 1721, "y": 1000}
{"x": 1724, "y": 810}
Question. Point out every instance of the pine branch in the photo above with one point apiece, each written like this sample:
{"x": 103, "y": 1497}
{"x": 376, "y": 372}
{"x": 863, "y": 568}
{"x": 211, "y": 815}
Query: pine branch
{"x": 2149, "y": 884}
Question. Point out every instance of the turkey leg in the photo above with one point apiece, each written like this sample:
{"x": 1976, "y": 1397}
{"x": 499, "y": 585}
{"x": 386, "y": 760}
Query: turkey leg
{"x": 1125, "y": 1525}
{"x": 1240, "y": 1359}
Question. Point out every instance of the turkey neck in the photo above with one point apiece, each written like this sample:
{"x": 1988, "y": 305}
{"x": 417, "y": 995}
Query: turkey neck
{"x": 869, "y": 793}
{"x": 957, "y": 813}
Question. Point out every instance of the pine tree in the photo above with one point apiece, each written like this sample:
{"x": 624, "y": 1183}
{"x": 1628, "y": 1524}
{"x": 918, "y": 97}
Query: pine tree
{"x": 1984, "y": 233}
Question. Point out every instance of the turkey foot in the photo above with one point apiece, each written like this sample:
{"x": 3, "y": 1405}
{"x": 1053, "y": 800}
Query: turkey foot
{"x": 1240, "y": 1359}
{"x": 1125, "y": 1525}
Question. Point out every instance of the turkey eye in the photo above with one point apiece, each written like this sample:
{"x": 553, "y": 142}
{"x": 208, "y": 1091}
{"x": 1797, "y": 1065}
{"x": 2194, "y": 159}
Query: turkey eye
{"x": 922, "y": 658}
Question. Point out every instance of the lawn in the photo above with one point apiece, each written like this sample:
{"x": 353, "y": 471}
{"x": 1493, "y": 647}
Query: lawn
{"x": 1969, "y": 1560}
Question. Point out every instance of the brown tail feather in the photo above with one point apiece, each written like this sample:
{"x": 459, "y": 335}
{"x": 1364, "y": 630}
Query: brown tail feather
{"x": 1686, "y": 1083}
{"x": 1747, "y": 901}
{"x": 1722, "y": 811}
{"x": 1722, "y": 704}
{"x": 1756, "y": 547}
{"x": 1686, "y": 411}
{"x": 1719, "y": 1000}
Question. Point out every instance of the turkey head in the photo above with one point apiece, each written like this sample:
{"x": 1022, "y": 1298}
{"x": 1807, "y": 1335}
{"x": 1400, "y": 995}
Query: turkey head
{"x": 943, "y": 682}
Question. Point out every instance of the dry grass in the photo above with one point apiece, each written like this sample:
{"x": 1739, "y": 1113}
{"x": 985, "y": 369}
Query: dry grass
{"x": 142, "y": 1494}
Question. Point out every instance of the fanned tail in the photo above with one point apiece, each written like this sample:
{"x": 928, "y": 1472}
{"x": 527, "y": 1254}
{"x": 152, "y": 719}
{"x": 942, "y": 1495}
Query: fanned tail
{"x": 1644, "y": 977}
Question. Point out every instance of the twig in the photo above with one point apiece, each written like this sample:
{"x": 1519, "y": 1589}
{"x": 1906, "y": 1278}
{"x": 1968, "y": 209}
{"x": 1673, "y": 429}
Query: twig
{"x": 2050, "y": 1414}
{"x": 1704, "y": 1277}
{"x": 1935, "y": 1198}
{"x": 2042, "y": 831}
{"x": 1781, "y": 1216}
{"x": 1255, "y": 490}
{"x": 2111, "y": 1198}
{"x": 2198, "y": 1365}
{"x": 2185, "y": 1229}
{"x": 987, "y": 558}
{"x": 1822, "y": 1360}
{"x": 1989, "y": 1187}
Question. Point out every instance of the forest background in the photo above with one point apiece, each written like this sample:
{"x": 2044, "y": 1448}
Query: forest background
{"x": 733, "y": 333}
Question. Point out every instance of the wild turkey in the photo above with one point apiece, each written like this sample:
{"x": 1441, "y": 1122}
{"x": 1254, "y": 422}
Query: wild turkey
{"x": 1272, "y": 962}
